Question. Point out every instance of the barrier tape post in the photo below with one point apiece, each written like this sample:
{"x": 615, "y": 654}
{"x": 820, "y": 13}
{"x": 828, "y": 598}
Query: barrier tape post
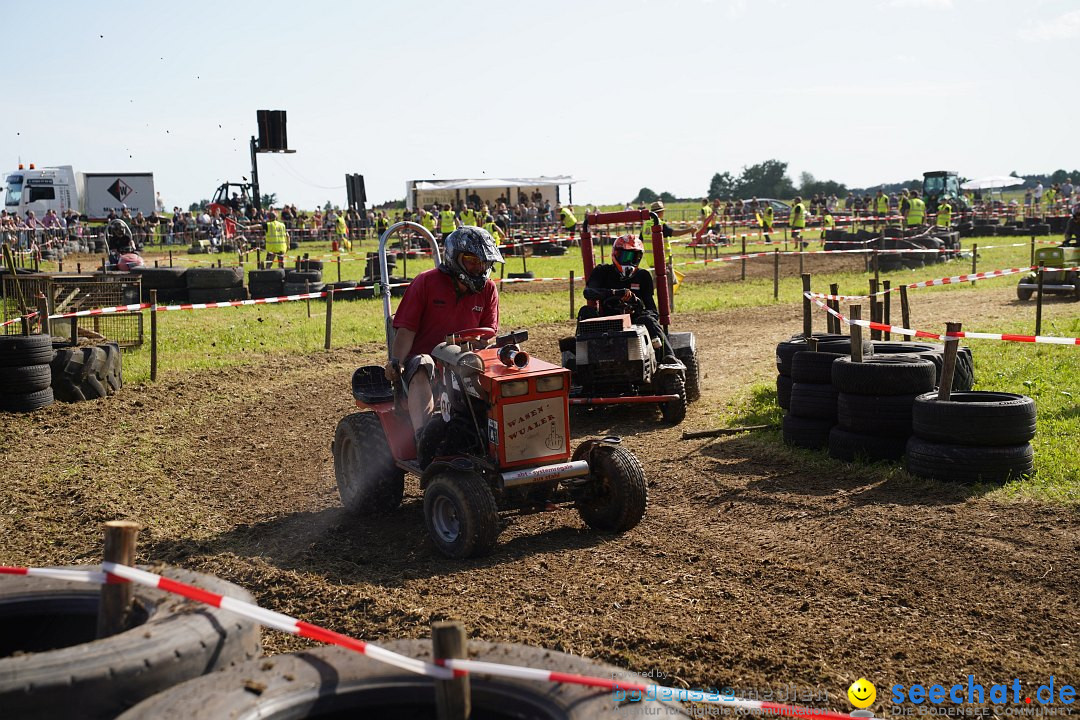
{"x": 43, "y": 314}
{"x": 807, "y": 321}
{"x": 153, "y": 335}
{"x": 875, "y": 308}
{"x": 571, "y": 294}
{"x": 887, "y": 307}
{"x": 743, "y": 261}
{"x": 307, "y": 290}
{"x": 170, "y": 258}
{"x": 974, "y": 260}
{"x": 1038, "y": 304}
{"x": 834, "y": 322}
{"x": 948, "y": 368}
{"x": 855, "y": 313}
{"x": 905, "y": 309}
{"x": 453, "y": 697}
{"x": 74, "y": 332}
{"x": 329, "y": 314}
{"x": 877, "y": 266}
{"x": 115, "y": 604}
{"x": 1033, "y": 248}
{"x": 776, "y": 274}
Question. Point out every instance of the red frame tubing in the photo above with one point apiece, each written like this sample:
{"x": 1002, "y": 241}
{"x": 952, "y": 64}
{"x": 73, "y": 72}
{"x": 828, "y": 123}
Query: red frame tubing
{"x": 625, "y": 400}
{"x": 663, "y": 299}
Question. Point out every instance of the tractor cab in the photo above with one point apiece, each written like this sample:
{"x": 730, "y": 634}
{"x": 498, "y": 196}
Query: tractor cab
{"x": 939, "y": 185}
{"x": 231, "y": 198}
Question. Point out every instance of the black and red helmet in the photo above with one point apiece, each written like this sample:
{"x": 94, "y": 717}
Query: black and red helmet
{"x": 626, "y": 254}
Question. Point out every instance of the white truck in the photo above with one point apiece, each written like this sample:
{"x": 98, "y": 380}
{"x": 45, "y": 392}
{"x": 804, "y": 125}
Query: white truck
{"x": 92, "y": 195}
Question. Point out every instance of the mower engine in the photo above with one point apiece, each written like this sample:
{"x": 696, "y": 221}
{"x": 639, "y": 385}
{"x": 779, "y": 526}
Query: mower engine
{"x": 611, "y": 354}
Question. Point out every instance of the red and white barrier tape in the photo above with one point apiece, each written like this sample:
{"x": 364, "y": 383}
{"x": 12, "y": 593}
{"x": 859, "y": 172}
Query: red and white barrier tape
{"x": 1048, "y": 339}
{"x": 441, "y": 669}
{"x": 954, "y": 280}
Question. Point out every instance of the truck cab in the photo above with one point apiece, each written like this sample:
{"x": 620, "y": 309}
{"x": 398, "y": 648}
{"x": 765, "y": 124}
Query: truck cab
{"x": 40, "y": 190}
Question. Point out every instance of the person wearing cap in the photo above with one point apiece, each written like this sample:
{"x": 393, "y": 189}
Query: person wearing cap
{"x": 798, "y": 221}
{"x": 668, "y": 231}
{"x": 277, "y": 239}
{"x": 944, "y": 214}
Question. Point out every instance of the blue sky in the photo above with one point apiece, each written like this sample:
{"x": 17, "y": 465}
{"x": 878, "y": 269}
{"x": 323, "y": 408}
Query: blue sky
{"x": 619, "y": 94}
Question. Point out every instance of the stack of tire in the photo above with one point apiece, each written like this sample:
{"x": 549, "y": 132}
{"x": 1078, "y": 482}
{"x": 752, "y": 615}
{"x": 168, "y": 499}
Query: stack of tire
{"x": 804, "y": 387}
{"x": 298, "y": 282}
{"x": 88, "y": 372}
{"x": 972, "y": 437}
{"x": 963, "y": 374}
{"x": 25, "y": 377}
{"x": 266, "y": 283}
{"x": 170, "y": 283}
{"x": 874, "y": 401}
{"x": 372, "y": 275}
{"x": 210, "y": 284}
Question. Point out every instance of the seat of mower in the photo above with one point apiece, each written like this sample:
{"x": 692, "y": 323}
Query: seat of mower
{"x": 369, "y": 385}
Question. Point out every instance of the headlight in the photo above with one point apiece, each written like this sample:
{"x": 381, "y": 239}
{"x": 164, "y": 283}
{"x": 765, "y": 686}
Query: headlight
{"x": 513, "y": 389}
{"x": 549, "y": 383}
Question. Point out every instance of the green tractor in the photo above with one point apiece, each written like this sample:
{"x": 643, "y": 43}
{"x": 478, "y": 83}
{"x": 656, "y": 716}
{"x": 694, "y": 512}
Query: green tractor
{"x": 1061, "y": 282}
{"x": 943, "y": 184}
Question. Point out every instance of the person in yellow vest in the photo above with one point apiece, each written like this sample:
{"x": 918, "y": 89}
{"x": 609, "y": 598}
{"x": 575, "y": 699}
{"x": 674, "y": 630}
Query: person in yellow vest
{"x": 767, "y": 217}
{"x": 277, "y": 240}
{"x": 668, "y": 232}
{"x": 881, "y": 206}
{"x": 916, "y": 210}
{"x": 828, "y": 222}
{"x": 381, "y": 223}
{"x": 342, "y": 230}
{"x": 567, "y": 218}
{"x": 944, "y": 214}
{"x": 494, "y": 230}
{"x": 427, "y": 220}
{"x": 798, "y": 221}
{"x": 469, "y": 217}
{"x": 706, "y": 213}
{"x": 448, "y": 220}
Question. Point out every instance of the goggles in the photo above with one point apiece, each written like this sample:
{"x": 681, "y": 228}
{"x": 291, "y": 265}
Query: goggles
{"x": 474, "y": 264}
{"x": 628, "y": 257}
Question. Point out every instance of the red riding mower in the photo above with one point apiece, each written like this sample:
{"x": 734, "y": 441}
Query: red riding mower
{"x": 500, "y": 442}
{"x": 612, "y": 360}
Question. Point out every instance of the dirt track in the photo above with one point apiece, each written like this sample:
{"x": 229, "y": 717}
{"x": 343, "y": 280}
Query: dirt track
{"x": 749, "y": 570}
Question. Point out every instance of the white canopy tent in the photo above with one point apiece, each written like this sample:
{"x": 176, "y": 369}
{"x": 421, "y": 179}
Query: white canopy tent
{"x": 993, "y": 182}
{"x": 489, "y": 190}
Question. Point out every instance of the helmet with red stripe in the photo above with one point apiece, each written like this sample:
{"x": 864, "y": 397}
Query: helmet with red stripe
{"x": 626, "y": 254}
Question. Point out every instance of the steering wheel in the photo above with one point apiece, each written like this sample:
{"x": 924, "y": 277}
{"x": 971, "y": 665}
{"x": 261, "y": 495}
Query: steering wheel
{"x": 615, "y": 303}
{"x": 474, "y": 334}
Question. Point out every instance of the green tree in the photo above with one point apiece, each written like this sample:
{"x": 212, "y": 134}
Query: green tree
{"x": 808, "y": 186}
{"x": 667, "y": 197}
{"x": 268, "y": 199}
{"x": 766, "y": 179}
{"x": 722, "y": 186}
{"x": 645, "y": 195}
{"x": 201, "y": 205}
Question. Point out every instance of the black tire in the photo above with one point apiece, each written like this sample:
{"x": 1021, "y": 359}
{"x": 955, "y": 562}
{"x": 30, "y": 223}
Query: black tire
{"x": 975, "y": 418}
{"x": 299, "y": 277}
{"x": 619, "y": 496}
{"x": 963, "y": 372}
{"x": 265, "y": 290}
{"x": 460, "y": 514}
{"x": 811, "y": 400}
{"x": 302, "y": 288}
{"x": 813, "y": 367}
{"x": 968, "y": 464}
{"x": 688, "y": 356}
{"x": 673, "y": 411}
{"x": 806, "y": 432}
{"x": 26, "y": 402}
{"x": 209, "y": 278}
{"x": 215, "y": 295}
{"x": 18, "y": 350}
{"x": 113, "y": 369}
{"x": 311, "y": 265}
{"x": 521, "y": 275}
{"x": 880, "y": 415}
{"x": 827, "y": 342}
{"x": 266, "y": 277}
{"x": 24, "y": 379}
{"x": 161, "y": 278}
{"x": 342, "y": 285}
{"x": 347, "y": 683}
{"x": 368, "y": 481}
{"x": 884, "y": 375}
{"x": 51, "y": 666}
{"x": 168, "y": 297}
{"x": 783, "y": 391}
{"x": 851, "y": 446}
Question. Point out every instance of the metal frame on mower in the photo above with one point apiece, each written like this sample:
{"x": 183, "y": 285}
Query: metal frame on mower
{"x": 499, "y": 442}
{"x": 630, "y": 374}
{"x": 1058, "y": 282}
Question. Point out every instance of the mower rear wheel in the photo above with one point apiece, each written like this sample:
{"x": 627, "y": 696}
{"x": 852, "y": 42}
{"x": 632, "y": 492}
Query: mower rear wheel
{"x": 620, "y": 495}
{"x": 368, "y": 480}
{"x": 673, "y": 410}
{"x": 461, "y": 516}
{"x": 1023, "y": 294}
{"x": 693, "y": 374}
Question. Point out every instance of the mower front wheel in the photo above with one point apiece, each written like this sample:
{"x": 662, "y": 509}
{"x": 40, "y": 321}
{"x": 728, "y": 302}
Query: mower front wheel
{"x": 1023, "y": 294}
{"x": 461, "y": 516}
{"x": 673, "y": 410}
{"x": 619, "y": 496}
{"x": 368, "y": 480}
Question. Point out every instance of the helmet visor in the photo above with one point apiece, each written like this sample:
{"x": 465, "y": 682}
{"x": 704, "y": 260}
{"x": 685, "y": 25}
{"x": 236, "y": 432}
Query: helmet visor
{"x": 628, "y": 257}
{"x": 474, "y": 264}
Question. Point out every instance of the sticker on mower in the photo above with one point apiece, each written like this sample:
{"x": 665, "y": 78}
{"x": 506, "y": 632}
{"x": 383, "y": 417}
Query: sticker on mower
{"x": 535, "y": 429}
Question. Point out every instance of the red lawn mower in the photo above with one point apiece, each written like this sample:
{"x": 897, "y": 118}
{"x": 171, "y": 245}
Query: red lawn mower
{"x": 499, "y": 443}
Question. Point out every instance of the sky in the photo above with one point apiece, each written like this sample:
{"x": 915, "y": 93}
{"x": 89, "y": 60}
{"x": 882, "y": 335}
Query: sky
{"x": 620, "y": 94}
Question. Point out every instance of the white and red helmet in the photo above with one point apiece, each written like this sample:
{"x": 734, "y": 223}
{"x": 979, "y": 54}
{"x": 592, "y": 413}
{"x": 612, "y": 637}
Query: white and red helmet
{"x": 626, "y": 254}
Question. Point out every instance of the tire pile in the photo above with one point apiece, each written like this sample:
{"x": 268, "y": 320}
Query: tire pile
{"x": 25, "y": 377}
{"x": 804, "y": 387}
{"x": 88, "y": 372}
{"x": 210, "y": 284}
{"x": 266, "y": 283}
{"x": 170, "y": 283}
{"x": 373, "y": 274}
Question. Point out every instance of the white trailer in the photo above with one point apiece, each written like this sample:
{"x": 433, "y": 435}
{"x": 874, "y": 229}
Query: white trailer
{"x": 92, "y": 195}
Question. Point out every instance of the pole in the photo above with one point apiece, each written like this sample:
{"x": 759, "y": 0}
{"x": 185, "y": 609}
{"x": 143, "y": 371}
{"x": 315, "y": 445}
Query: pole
{"x": 743, "y": 261}
{"x": 974, "y": 261}
{"x": 776, "y": 274}
{"x": 115, "y": 604}
{"x": 329, "y": 315}
{"x": 874, "y": 309}
{"x": 855, "y": 313}
{"x": 877, "y": 269}
{"x": 170, "y": 258}
{"x": 406, "y": 274}
{"x": 905, "y": 309}
{"x": 948, "y": 367}
{"x": 153, "y": 335}
{"x": 571, "y": 294}
{"x": 453, "y": 699}
{"x": 1038, "y": 304}
{"x": 807, "y": 319}
{"x": 43, "y": 314}
{"x": 834, "y": 322}
{"x": 75, "y": 332}
{"x": 887, "y": 308}
{"x": 307, "y": 289}
{"x": 1033, "y": 249}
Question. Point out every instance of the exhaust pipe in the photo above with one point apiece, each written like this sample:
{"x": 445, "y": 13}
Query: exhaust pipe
{"x": 561, "y": 471}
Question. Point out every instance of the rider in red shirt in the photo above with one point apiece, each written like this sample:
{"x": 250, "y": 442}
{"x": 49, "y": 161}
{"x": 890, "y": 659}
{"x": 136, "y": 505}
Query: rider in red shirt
{"x": 455, "y": 296}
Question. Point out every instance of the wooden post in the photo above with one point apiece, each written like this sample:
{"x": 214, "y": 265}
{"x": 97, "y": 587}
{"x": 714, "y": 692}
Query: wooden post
{"x": 974, "y": 261}
{"x": 60, "y": 265}
{"x": 1033, "y": 249}
{"x": 874, "y": 308}
{"x": 1038, "y": 304}
{"x": 453, "y": 698}
{"x": 115, "y": 604}
{"x": 801, "y": 252}
{"x": 307, "y": 289}
{"x": 887, "y": 305}
{"x": 877, "y": 269}
{"x": 43, "y": 314}
{"x": 78, "y": 268}
{"x": 834, "y": 322}
{"x": 339, "y": 270}
{"x": 948, "y": 367}
{"x": 905, "y": 309}
{"x": 776, "y": 274}
{"x": 807, "y": 318}
{"x": 855, "y": 313}
{"x": 742, "y": 262}
{"x": 329, "y": 315}
{"x": 170, "y": 258}
{"x": 258, "y": 259}
{"x": 571, "y": 294}
{"x": 75, "y": 331}
{"x": 153, "y": 335}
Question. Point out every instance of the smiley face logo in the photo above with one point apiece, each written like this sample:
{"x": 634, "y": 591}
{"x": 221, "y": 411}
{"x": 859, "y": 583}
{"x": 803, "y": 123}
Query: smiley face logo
{"x": 862, "y": 693}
